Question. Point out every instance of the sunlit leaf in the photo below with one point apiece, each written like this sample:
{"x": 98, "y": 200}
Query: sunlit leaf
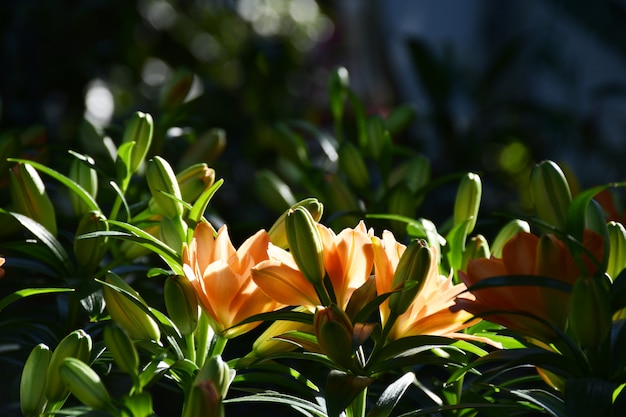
{"x": 27, "y": 292}
{"x": 391, "y": 396}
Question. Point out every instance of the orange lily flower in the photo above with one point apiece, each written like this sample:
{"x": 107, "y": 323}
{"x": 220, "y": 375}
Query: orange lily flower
{"x": 431, "y": 312}
{"x": 528, "y": 254}
{"x": 348, "y": 260}
{"x": 221, "y": 277}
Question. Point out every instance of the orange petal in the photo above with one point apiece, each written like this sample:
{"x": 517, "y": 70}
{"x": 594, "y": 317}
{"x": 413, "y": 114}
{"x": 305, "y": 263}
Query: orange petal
{"x": 284, "y": 284}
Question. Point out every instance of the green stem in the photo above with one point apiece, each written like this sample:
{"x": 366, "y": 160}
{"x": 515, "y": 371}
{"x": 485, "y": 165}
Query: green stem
{"x": 218, "y": 345}
{"x": 204, "y": 337}
{"x": 358, "y": 405}
{"x": 191, "y": 347}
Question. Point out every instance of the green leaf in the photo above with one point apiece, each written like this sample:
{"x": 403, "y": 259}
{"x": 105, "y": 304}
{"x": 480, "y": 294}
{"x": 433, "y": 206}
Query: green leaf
{"x": 27, "y": 292}
{"x": 521, "y": 281}
{"x": 588, "y": 397}
{"x": 341, "y": 389}
{"x": 199, "y": 207}
{"x": 301, "y": 405}
{"x": 577, "y": 208}
{"x": 44, "y": 236}
{"x": 74, "y": 187}
{"x": 391, "y": 396}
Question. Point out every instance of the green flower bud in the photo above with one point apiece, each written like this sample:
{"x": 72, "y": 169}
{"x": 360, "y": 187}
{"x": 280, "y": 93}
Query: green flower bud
{"x": 590, "y": 317}
{"x": 334, "y": 330}
{"x": 77, "y": 345}
{"x": 84, "y": 383}
{"x": 338, "y": 85}
{"x": 506, "y": 233}
{"x": 173, "y": 232}
{"x": 352, "y": 164}
{"x": 277, "y": 233}
{"x": 551, "y": 193}
{"x": 131, "y": 250}
{"x": 418, "y": 173}
{"x": 617, "y": 249}
{"x": 411, "y": 272}
{"x": 400, "y": 117}
{"x": 161, "y": 179}
{"x": 181, "y": 303}
{"x": 467, "y": 201}
{"x": 305, "y": 244}
{"x": 339, "y": 195}
{"x": 378, "y": 139}
{"x": 122, "y": 349}
{"x": 477, "y": 248}
{"x": 139, "y": 129}
{"x": 85, "y": 176}
{"x": 28, "y": 194}
{"x": 89, "y": 252}
{"x": 273, "y": 191}
{"x": 209, "y": 389}
{"x": 33, "y": 382}
{"x": 129, "y": 316}
{"x": 208, "y": 147}
{"x": 176, "y": 88}
{"x": 194, "y": 180}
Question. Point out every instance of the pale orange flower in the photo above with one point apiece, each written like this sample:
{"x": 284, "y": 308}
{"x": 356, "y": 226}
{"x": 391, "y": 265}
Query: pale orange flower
{"x": 348, "y": 260}
{"x": 528, "y": 254}
{"x": 2, "y": 260}
{"x": 221, "y": 277}
{"x": 431, "y": 312}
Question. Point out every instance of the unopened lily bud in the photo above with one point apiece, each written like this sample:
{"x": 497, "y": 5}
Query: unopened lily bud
{"x": 161, "y": 179}
{"x": 467, "y": 202}
{"x": 84, "y": 383}
{"x": 173, "y": 232}
{"x": 139, "y": 129}
{"x": 334, "y": 331}
{"x": 352, "y": 164}
{"x": 506, "y": 233}
{"x": 85, "y": 176}
{"x": 413, "y": 267}
{"x": 551, "y": 193}
{"x": 277, "y": 233}
{"x": 476, "y": 248}
{"x": 590, "y": 316}
{"x": 203, "y": 400}
{"x": 33, "y": 381}
{"x": 89, "y": 252}
{"x": 28, "y": 194}
{"x": 305, "y": 244}
{"x": 275, "y": 339}
{"x": 218, "y": 371}
{"x": 77, "y": 345}
{"x": 595, "y": 221}
{"x": 361, "y": 297}
{"x": 121, "y": 348}
{"x": 137, "y": 323}
{"x": 339, "y": 195}
{"x": 181, "y": 303}
{"x": 176, "y": 88}
{"x": 400, "y": 117}
{"x": 131, "y": 250}
{"x": 418, "y": 173}
{"x": 194, "y": 180}
{"x": 273, "y": 191}
{"x": 378, "y": 140}
{"x": 207, "y": 147}
{"x": 338, "y": 85}
{"x": 617, "y": 249}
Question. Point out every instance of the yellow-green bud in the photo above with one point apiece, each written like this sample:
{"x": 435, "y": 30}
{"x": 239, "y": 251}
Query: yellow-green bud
{"x": 477, "y": 248}
{"x": 181, "y": 303}
{"x": 173, "y": 232}
{"x": 137, "y": 323}
{"x": 33, "y": 382}
{"x": 85, "y": 176}
{"x": 77, "y": 345}
{"x": 28, "y": 194}
{"x": 84, "y": 383}
{"x": 467, "y": 202}
{"x": 176, "y": 88}
{"x": 551, "y": 193}
{"x": 506, "y": 233}
{"x": 277, "y": 233}
{"x": 334, "y": 330}
{"x": 131, "y": 250}
{"x": 89, "y": 252}
{"x": 139, "y": 129}
{"x": 411, "y": 272}
{"x": 218, "y": 371}
{"x": 122, "y": 349}
{"x": 352, "y": 164}
{"x": 305, "y": 244}
{"x": 338, "y": 85}
{"x": 208, "y": 147}
{"x": 273, "y": 191}
{"x": 590, "y": 317}
{"x": 617, "y": 249}
{"x": 161, "y": 179}
{"x": 378, "y": 140}
{"x": 194, "y": 180}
